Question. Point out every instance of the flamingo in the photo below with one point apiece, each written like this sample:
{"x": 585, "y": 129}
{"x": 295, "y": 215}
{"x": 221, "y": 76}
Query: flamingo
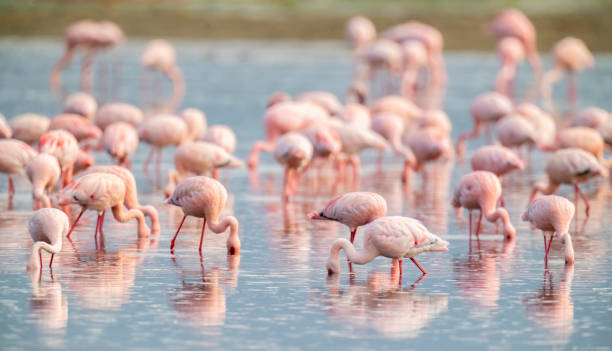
{"x": 356, "y": 114}
{"x": 553, "y": 214}
{"x": 121, "y": 141}
{"x": 118, "y": 112}
{"x": 84, "y": 161}
{"x": 198, "y": 158}
{"x": 5, "y": 130}
{"x": 543, "y": 123}
{"x": 325, "y": 141}
{"x": 205, "y": 197}
{"x": 196, "y": 122}
{"x": 513, "y": 23}
{"x": 571, "y": 55}
{"x": 221, "y": 135}
{"x": 482, "y": 190}
{"x": 486, "y": 108}
{"x": 592, "y": 117}
{"x": 326, "y": 100}
{"x": 427, "y": 144}
{"x": 43, "y": 171}
{"x": 496, "y": 159}
{"x": 391, "y": 127}
{"x": 514, "y": 131}
{"x": 569, "y": 166}
{"x": 47, "y": 227}
{"x": 131, "y": 193}
{"x": 436, "y": 118}
{"x": 160, "y": 55}
{"x": 353, "y": 210}
{"x": 393, "y": 237}
{"x": 64, "y": 147}
{"x": 400, "y": 106}
{"x": 14, "y": 156}
{"x": 76, "y": 125}
{"x": 383, "y": 55}
{"x": 29, "y": 127}
{"x": 360, "y": 31}
{"x": 415, "y": 58}
{"x": 511, "y": 52}
{"x": 82, "y": 104}
{"x": 99, "y": 192}
{"x": 587, "y": 139}
{"x": 293, "y": 151}
{"x": 162, "y": 131}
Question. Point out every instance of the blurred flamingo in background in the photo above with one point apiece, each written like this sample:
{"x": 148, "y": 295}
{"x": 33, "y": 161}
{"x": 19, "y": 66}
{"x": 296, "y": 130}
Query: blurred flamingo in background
{"x": 29, "y": 127}
{"x": 511, "y": 52}
{"x": 293, "y": 151}
{"x": 43, "y": 171}
{"x": 118, "y": 112}
{"x": 5, "y": 130}
{"x": 82, "y": 104}
{"x": 64, "y": 147}
{"x": 360, "y": 31}
{"x": 205, "y": 197}
{"x": 121, "y": 141}
{"x": 47, "y": 227}
{"x": 14, "y": 156}
{"x": 552, "y": 214}
{"x": 160, "y": 55}
{"x": 591, "y": 117}
{"x": 162, "y": 131}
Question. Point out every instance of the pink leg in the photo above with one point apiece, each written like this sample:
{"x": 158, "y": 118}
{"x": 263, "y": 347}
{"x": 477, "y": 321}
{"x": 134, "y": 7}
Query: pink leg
{"x": 40, "y": 258}
{"x": 11, "y": 187}
{"x": 202, "y": 236}
{"x": 501, "y": 201}
{"x": 417, "y": 264}
{"x": 479, "y": 222}
{"x": 215, "y": 173}
{"x": 158, "y": 163}
{"x": 51, "y": 261}
{"x": 586, "y": 202}
{"x": 400, "y": 270}
{"x": 148, "y": 160}
{"x": 75, "y": 222}
{"x": 102, "y": 223}
{"x": 470, "y": 222}
{"x": 175, "y": 235}
{"x": 353, "y": 235}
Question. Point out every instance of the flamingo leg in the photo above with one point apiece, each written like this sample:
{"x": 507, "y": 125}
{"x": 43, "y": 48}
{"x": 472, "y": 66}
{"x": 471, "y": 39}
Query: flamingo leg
{"x": 148, "y": 160}
{"x": 11, "y": 186}
{"x": 102, "y": 223}
{"x": 175, "y": 235}
{"x": 40, "y": 258}
{"x": 470, "y": 223}
{"x": 202, "y": 236}
{"x": 158, "y": 162}
{"x": 479, "y": 222}
{"x": 417, "y": 264}
{"x": 583, "y": 197}
{"x": 75, "y": 222}
{"x": 400, "y": 271}
{"x": 51, "y": 261}
{"x": 353, "y": 232}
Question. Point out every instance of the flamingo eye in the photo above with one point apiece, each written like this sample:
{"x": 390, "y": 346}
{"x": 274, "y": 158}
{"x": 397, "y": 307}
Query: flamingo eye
{"x": 321, "y": 214}
{"x": 75, "y": 198}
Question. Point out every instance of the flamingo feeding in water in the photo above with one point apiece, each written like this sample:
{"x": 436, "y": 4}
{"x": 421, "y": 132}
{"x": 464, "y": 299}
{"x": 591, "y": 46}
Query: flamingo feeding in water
{"x": 47, "y": 227}
{"x": 14, "y": 156}
{"x": 121, "y": 141}
{"x": 205, "y": 197}
{"x": 293, "y": 151}
{"x": 64, "y": 147}
{"x": 43, "y": 171}
{"x": 393, "y": 237}
{"x": 552, "y": 214}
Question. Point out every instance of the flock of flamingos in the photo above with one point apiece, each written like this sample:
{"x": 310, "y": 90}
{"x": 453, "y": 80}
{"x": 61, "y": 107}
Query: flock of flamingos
{"x": 392, "y": 103}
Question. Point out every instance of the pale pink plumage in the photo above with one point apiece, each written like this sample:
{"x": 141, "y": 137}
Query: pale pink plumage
{"x": 591, "y": 117}
{"x": 196, "y": 123}
{"x": 162, "y": 131}
{"x": 400, "y": 106}
{"x": 356, "y": 114}
{"x": 393, "y": 237}
{"x": 514, "y": 131}
{"x": 221, "y": 135}
{"x": 391, "y": 127}
{"x": 552, "y": 214}
{"x": 511, "y": 53}
{"x": 481, "y": 190}
{"x": 205, "y": 197}
{"x": 496, "y": 159}
{"x": 294, "y": 152}
{"x": 76, "y": 125}
{"x": 43, "y": 171}
{"x": 160, "y": 55}
{"x": 14, "y": 156}
{"x": 47, "y": 227}
{"x": 360, "y": 31}
{"x": 121, "y": 141}
{"x": 81, "y": 104}
{"x": 100, "y": 192}
{"x": 118, "y": 112}
{"x": 64, "y": 147}
{"x": 29, "y": 127}
{"x": 326, "y": 100}
{"x": 5, "y": 130}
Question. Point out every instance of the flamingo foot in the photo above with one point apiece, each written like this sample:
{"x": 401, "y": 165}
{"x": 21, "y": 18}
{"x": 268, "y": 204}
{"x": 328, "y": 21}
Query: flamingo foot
{"x": 175, "y": 235}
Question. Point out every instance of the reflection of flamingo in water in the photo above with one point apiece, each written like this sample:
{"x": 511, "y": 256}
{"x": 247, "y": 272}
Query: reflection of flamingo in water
{"x": 552, "y": 308}
{"x": 381, "y": 305}
{"x": 47, "y": 305}
{"x": 203, "y": 303}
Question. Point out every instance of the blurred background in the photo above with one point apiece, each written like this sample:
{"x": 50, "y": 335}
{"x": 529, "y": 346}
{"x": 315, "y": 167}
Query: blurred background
{"x": 461, "y": 21}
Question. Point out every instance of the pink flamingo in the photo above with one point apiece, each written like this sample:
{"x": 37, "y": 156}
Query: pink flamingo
{"x": 427, "y": 144}
{"x": 353, "y": 210}
{"x": 205, "y": 197}
{"x": 433, "y": 41}
{"x": 14, "y": 156}
{"x": 415, "y": 58}
{"x": 393, "y": 237}
{"x": 514, "y": 131}
{"x": 486, "y": 108}
{"x": 82, "y": 104}
{"x": 360, "y": 31}
{"x": 571, "y": 55}
{"x": 84, "y": 161}
{"x": 569, "y": 166}
{"x": 64, "y": 147}
{"x": 511, "y": 52}
{"x": 293, "y": 151}
{"x": 131, "y": 193}
{"x": 76, "y": 125}
{"x": 118, "y": 112}
{"x": 552, "y": 214}
{"x": 160, "y": 55}
{"x": 543, "y": 123}
{"x": 591, "y": 117}
{"x": 284, "y": 117}
{"x": 382, "y": 55}
{"x": 198, "y": 158}
{"x": 356, "y": 114}
{"x": 496, "y": 159}
{"x": 162, "y": 131}
{"x": 29, "y": 127}
{"x": 436, "y": 118}
{"x": 326, "y": 100}
{"x": 513, "y": 23}
{"x": 5, "y": 130}
{"x": 221, "y": 135}
{"x": 196, "y": 122}
{"x": 391, "y": 127}
{"x": 121, "y": 141}
{"x": 43, "y": 171}
{"x": 583, "y": 138}
{"x": 325, "y": 141}
{"x": 47, "y": 227}
{"x": 481, "y": 190}
{"x": 99, "y": 192}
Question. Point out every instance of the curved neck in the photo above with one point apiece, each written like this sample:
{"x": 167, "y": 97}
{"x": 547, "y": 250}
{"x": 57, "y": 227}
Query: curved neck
{"x": 494, "y": 215}
{"x": 233, "y": 241}
{"x": 34, "y": 262}
{"x": 358, "y": 257}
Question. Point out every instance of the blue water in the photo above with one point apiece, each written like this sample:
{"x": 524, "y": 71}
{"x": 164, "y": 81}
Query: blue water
{"x": 132, "y": 294}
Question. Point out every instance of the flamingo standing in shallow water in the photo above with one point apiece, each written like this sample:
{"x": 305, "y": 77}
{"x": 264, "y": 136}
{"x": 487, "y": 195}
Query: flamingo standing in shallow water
{"x": 64, "y": 147}
{"x": 511, "y": 53}
{"x": 99, "y": 192}
{"x": 353, "y": 210}
{"x": 118, "y": 112}
{"x": 43, "y": 171}
{"x": 552, "y": 214}
{"x": 47, "y": 227}
{"x": 569, "y": 166}
{"x": 393, "y": 237}
{"x": 482, "y": 190}
{"x": 14, "y": 156}
{"x": 29, "y": 127}
{"x": 205, "y": 197}
{"x": 81, "y": 104}
{"x": 162, "y": 131}
{"x": 293, "y": 151}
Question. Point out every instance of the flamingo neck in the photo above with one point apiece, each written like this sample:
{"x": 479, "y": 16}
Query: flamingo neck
{"x": 358, "y": 257}
{"x": 34, "y": 263}
{"x": 569, "y": 248}
{"x": 494, "y": 215}
{"x": 233, "y": 241}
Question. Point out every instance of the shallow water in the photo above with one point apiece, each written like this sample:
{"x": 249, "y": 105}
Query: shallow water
{"x": 131, "y": 293}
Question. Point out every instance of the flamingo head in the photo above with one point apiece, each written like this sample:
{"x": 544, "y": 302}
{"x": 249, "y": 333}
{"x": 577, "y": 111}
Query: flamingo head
{"x": 316, "y": 215}
{"x": 333, "y": 266}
